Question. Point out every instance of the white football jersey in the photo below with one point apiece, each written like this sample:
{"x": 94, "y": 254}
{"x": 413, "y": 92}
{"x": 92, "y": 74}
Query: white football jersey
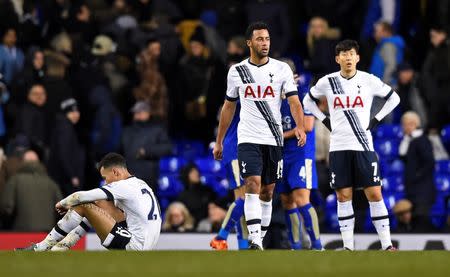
{"x": 260, "y": 88}
{"x": 349, "y": 103}
{"x": 141, "y": 208}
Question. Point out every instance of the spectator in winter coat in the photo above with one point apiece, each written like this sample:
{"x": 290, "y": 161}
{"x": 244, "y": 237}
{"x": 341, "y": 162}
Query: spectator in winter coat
{"x": 67, "y": 157}
{"x": 144, "y": 142}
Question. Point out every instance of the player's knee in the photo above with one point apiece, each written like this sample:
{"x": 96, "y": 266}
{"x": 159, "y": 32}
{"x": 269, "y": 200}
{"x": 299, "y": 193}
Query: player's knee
{"x": 252, "y": 186}
{"x": 343, "y": 197}
{"x": 266, "y": 195}
{"x": 287, "y": 202}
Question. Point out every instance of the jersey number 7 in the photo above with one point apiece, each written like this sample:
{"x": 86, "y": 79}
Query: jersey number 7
{"x": 151, "y": 214}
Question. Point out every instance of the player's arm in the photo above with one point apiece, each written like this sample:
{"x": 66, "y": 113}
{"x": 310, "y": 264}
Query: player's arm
{"x": 380, "y": 89}
{"x": 310, "y": 103}
{"x": 81, "y": 197}
{"x": 297, "y": 113}
{"x": 226, "y": 116}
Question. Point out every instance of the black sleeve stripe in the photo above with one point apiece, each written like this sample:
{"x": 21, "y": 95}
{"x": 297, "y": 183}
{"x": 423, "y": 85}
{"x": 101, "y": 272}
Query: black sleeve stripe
{"x": 389, "y": 94}
{"x": 312, "y": 97}
{"x": 231, "y": 98}
{"x": 109, "y": 195}
{"x": 291, "y": 93}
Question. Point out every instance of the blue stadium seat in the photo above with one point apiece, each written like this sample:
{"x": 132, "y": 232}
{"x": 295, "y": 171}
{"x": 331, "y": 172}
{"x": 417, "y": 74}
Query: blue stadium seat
{"x": 190, "y": 149}
{"x": 171, "y": 165}
{"x": 169, "y": 186}
{"x": 442, "y": 167}
{"x": 389, "y": 168}
{"x": 393, "y": 184}
{"x": 389, "y": 131}
{"x": 331, "y": 217}
{"x": 218, "y": 184}
{"x": 209, "y": 166}
{"x": 445, "y": 134}
{"x": 387, "y": 149}
{"x": 442, "y": 182}
{"x": 438, "y": 212}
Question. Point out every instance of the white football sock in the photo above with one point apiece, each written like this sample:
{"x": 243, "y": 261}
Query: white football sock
{"x": 346, "y": 223}
{"x": 380, "y": 219}
{"x": 69, "y": 222}
{"x": 73, "y": 237}
{"x": 252, "y": 212}
{"x": 266, "y": 216}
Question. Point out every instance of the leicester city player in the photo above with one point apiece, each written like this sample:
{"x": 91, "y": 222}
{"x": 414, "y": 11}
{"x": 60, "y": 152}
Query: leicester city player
{"x": 299, "y": 177}
{"x": 235, "y": 212}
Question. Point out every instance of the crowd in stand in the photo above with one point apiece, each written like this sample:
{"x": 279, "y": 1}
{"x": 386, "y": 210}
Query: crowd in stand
{"x": 81, "y": 78}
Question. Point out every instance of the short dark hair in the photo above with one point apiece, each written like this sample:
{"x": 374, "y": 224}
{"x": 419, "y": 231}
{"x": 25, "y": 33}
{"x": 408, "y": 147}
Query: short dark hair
{"x": 346, "y": 45}
{"x": 259, "y": 25}
{"x": 112, "y": 159}
{"x": 386, "y": 26}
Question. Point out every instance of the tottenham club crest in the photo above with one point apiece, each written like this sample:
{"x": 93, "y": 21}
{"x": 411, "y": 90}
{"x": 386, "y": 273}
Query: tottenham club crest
{"x": 271, "y": 77}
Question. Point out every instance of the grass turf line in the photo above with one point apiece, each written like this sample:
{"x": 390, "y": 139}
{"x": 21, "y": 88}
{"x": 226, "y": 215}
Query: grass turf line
{"x": 231, "y": 263}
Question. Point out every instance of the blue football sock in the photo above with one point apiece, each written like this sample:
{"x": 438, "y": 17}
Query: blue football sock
{"x": 241, "y": 234}
{"x": 293, "y": 227}
{"x": 311, "y": 225}
{"x": 234, "y": 213}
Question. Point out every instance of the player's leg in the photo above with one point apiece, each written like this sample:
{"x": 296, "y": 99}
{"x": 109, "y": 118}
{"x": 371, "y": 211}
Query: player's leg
{"x": 309, "y": 215}
{"x": 369, "y": 176}
{"x": 292, "y": 217}
{"x": 76, "y": 234}
{"x": 272, "y": 172}
{"x": 250, "y": 166}
{"x": 346, "y": 216}
{"x": 379, "y": 215}
{"x": 234, "y": 213}
{"x": 266, "y": 207}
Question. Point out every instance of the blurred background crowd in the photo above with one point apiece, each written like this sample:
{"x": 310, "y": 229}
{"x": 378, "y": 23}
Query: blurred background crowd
{"x": 147, "y": 78}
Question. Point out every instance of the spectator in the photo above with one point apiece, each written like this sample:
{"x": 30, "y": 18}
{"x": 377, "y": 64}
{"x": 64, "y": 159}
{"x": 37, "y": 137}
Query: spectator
{"x": 417, "y": 152}
{"x": 11, "y": 57}
{"x": 321, "y": 40}
{"x": 388, "y": 53}
{"x": 17, "y": 147}
{"x": 67, "y": 156}
{"x": 30, "y": 197}
{"x": 196, "y": 195}
{"x": 153, "y": 87}
{"x": 32, "y": 119}
{"x": 436, "y": 79}
{"x": 408, "y": 90}
{"x": 212, "y": 223}
{"x": 144, "y": 143}
{"x": 178, "y": 219}
{"x": 407, "y": 222}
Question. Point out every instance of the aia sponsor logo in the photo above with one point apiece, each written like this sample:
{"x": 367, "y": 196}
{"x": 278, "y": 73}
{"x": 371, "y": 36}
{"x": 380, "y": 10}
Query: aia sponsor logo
{"x": 345, "y": 102}
{"x": 258, "y": 92}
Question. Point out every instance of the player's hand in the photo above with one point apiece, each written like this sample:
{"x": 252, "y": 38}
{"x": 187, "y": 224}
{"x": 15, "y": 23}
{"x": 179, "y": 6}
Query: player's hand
{"x": 75, "y": 182}
{"x": 373, "y": 123}
{"x": 327, "y": 123}
{"x": 301, "y": 136}
{"x": 60, "y": 208}
{"x": 217, "y": 151}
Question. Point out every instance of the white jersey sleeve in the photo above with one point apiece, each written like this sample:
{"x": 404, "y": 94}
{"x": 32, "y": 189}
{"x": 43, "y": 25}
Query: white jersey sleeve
{"x": 289, "y": 87}
{"x": 379, "y": 88}
{"x": 115, "y": 192}
{"x": 232, "y": 85}
{"x": 319, "y": 89}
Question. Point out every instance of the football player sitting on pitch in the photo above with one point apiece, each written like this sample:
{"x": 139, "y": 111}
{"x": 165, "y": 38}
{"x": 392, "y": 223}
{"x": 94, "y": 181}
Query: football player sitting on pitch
{"x": 353, "y": 162}
{"x": 130, "y": 194}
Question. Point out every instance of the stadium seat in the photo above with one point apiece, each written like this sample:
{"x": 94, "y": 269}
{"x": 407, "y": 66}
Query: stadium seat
{"x": 389, "y": 131}
{"x": 218, "y": 184}
{"x": 389, "y": 168}
{"x": 393, "y": 184}
{"x": 387, "y": 149}
{"x": 438, "y": 212}
{"x": 445, "y": 134}
{"x": 209, "y": 166}
{"x": 331, "y": 218}
{"x": 442, "y": 182}
{"x": 169, "y": 186}
{"x": 442, "y": 167}
{"x": 190, "y": 149}
{"x": 171, "y": 165}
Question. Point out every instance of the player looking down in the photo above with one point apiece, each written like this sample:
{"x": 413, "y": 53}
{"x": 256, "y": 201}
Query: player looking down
{"x": 353, "y": 162}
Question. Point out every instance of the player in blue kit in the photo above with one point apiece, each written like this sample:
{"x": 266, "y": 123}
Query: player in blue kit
{"x": 235, "y": 212}
{"x": 299, "y": 177}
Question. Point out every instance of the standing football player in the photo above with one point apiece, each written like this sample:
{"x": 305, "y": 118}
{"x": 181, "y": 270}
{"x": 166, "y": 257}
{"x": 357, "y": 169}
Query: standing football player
{"x": 259, "y": 83}
{"x": 353, "y": 162}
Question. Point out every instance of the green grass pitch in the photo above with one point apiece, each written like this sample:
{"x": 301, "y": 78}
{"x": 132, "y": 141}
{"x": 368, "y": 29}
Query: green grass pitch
{"x": 231, "y": 263}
